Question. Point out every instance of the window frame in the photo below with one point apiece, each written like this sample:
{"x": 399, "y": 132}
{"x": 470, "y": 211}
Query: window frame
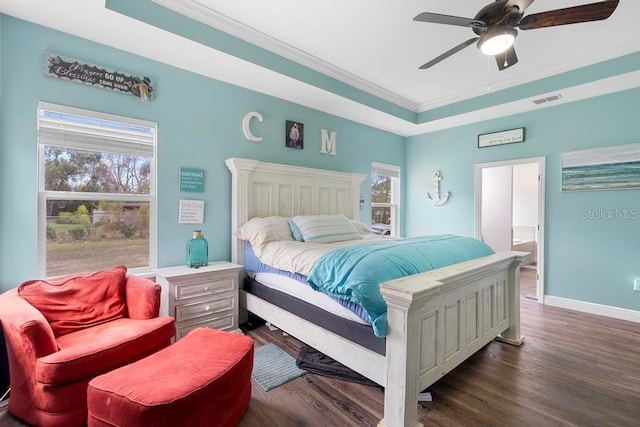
{"x": 44, "y": 195}
{"x": 393, "y": 172}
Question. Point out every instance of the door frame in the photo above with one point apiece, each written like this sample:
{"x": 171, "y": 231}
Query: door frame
{"x": 541, "y": 210}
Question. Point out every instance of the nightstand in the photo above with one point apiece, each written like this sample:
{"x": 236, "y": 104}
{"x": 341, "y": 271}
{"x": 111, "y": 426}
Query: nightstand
{"x": 200, "y": 297}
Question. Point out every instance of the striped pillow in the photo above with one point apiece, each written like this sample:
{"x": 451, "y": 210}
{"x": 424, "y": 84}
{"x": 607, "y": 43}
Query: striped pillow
{"x": 326, "y": 228}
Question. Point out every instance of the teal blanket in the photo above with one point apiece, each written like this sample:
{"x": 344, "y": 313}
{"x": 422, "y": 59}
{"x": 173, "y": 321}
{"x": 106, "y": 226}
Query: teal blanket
{"x": 354, "y": 273}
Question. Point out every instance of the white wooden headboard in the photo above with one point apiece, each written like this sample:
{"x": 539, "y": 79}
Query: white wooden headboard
{"x": 260, "y": 189}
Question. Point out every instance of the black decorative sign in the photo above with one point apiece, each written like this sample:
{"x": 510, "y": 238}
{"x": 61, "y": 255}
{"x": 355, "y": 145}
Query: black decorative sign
{"x": 73, "y": 70}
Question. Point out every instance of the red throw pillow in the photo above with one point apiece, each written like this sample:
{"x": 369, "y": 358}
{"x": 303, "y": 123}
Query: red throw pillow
{"x": 77, "y": 302}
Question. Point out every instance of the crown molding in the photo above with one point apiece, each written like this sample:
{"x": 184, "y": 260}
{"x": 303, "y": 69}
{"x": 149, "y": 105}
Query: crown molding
{"x": 580, "y": 92}
{"x": 95, "y": 23}
{"x": 199, "y": 12}
{"x": 587, "y": 59}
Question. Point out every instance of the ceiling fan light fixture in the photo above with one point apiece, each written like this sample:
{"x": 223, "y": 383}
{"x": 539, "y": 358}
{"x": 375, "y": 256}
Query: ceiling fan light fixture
{"x": 497, "y": 40}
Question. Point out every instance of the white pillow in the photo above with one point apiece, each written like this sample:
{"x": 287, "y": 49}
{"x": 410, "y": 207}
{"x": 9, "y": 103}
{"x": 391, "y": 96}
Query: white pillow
{"x": 361, "y": 227}
{"x": 259, "y": 231}
{"x": 326, "y": 228}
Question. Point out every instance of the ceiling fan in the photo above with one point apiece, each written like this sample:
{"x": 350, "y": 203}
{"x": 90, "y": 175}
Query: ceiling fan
{"x": 495, "y": 25}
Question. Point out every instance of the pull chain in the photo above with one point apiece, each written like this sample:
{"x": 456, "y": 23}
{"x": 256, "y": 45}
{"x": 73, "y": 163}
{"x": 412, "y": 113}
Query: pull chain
{"x": 506, "y": 64}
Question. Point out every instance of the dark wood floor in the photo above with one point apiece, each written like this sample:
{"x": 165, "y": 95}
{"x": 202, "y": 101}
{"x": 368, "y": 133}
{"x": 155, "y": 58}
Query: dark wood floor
{"x": 574, "y": 369}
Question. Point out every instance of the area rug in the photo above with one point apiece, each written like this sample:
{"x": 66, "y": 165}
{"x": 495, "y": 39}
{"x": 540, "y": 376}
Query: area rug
{"x": 318, "y": 363}
{"x": 273, "y": 367}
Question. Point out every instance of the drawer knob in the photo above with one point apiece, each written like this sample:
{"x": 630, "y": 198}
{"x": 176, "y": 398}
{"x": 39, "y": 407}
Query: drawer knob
{"x": 206, "y": 308}
{"x": 206, "y": 288}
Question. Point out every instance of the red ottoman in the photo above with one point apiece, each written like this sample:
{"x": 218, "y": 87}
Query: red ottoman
{"x": 202, "y": 380}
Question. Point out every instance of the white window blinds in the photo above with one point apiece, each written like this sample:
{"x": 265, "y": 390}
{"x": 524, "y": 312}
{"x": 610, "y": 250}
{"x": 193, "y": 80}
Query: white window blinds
{"x": 385, "y": 170}
{"x": 71, "y": 128}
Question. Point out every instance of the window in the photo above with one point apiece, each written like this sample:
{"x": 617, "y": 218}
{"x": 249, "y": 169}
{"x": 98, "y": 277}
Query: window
{"x": 96, "y": 201}
{"x": 385, "y": 199}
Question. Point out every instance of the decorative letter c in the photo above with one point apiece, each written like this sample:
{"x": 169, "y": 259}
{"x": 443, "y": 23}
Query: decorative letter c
{"x": 247, "y": 130}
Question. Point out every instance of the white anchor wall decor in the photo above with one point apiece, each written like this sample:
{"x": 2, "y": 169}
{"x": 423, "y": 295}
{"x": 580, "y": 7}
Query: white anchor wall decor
{"x": 438, "y": 199}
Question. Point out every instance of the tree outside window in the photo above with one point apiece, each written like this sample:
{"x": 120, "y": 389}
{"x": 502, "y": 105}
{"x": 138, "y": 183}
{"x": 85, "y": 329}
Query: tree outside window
{"x": 96, "y": 192}
{"x": 384, "y": 196}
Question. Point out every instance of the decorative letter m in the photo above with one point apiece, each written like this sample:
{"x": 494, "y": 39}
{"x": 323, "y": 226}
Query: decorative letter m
{"x": 328, "y": 142}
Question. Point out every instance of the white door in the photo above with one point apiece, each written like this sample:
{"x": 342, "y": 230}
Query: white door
{"x": 496, "y": 213}
{"x": 494, "y": 207}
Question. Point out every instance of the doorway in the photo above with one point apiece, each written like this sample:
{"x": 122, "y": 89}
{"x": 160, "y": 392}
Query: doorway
{"x": 509, "y": 205}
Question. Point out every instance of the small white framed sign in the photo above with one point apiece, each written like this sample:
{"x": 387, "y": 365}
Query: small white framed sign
{"x": 191, "y": 212}
{"x": 499, "y": 138}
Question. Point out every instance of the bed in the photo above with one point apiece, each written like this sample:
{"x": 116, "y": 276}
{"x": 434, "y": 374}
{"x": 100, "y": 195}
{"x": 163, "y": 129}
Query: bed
{"x": 435, "y": 320}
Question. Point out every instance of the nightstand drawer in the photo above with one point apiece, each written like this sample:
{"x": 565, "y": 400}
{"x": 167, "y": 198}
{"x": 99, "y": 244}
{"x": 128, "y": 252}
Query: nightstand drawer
{"x": 203, "y": 288}
{"x": 222, "y": 323}
{"x": 204, "y": 308}
{"x": 205, "y": 296}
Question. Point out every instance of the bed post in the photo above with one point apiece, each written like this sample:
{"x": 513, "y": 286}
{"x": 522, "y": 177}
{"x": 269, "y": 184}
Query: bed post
{"x": 356, "y": 181}
{"x": 240, "y": 169}
{"x": 402, "y": 361}
{"x": 512, "y": 335}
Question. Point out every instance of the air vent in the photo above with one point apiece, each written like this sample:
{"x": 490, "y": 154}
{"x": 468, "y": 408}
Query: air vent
{"x": 547, "y": 99}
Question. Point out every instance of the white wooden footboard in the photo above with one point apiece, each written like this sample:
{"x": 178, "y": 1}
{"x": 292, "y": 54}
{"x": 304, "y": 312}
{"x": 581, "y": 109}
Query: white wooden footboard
{"x": 436, "y": 320}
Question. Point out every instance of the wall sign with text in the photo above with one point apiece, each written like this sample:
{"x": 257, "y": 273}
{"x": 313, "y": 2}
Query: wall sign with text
{"x": 192, "y": 180}
{"x": 74, "y": 70}
{"x": 499, "y": 138}
{"x": 191, "y": 212}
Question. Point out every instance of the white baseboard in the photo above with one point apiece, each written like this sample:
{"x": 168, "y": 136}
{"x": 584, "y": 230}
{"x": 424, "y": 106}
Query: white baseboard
{"x": 591, "y": 308}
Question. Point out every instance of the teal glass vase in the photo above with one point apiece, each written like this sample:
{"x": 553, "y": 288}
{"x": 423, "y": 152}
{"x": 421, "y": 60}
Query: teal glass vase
{"x": 197, "y": 250}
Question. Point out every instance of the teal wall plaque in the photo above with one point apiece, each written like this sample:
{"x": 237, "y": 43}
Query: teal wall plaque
{"x": 192, "y": 180}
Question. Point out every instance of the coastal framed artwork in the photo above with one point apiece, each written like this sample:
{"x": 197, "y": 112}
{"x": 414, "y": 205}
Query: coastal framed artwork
{"x": 606, "y": 168}
{"x": 294, "y": 135}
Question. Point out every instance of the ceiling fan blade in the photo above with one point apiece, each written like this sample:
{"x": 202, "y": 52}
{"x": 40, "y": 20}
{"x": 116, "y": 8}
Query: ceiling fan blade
{"x": 506, "y": 59}
{"x": 569, "y": 15}
{"x": 449, "y": 53}
{"x": 436, "y": 18}
{"x": 522, "y": 4}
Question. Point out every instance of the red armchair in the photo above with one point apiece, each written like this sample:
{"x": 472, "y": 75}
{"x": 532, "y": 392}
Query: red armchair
{"x": 77, "y": 332}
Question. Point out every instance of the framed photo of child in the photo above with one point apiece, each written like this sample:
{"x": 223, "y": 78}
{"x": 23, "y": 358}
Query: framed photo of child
{"x": 294, "y": 135}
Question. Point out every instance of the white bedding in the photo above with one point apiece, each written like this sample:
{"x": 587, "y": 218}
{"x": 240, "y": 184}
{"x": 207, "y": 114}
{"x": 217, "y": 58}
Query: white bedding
{"x": 305, "y": 293}
{"x": 300, "y": 257}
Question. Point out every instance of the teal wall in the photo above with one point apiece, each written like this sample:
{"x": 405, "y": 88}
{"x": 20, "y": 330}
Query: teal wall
{"x": 1, "y": 38}
{"x": 589, "y": 260}
{"x": 176, "y": 23}
{"x": 199, "y": 125}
